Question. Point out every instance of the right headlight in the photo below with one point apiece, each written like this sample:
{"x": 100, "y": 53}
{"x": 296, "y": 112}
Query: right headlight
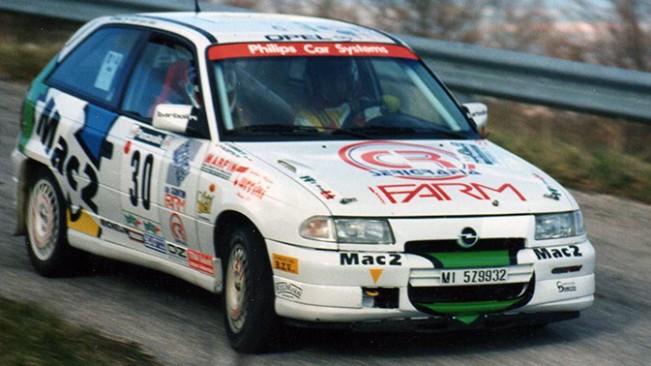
{"x": 559, "y": 225}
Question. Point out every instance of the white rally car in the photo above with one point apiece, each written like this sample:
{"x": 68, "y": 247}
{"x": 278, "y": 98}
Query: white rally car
{"x": 312, "y": 171}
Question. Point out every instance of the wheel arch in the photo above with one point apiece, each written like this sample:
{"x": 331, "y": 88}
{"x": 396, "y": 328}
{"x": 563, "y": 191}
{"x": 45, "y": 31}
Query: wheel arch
{"x": 26, "y": 175}
{"x": 224, "y": 224}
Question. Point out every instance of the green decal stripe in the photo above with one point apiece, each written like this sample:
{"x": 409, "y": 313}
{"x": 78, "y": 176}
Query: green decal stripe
{"x": 486, "y": 258}
{"x": 467, "y": 318}
{"x": 470, "y": 307}
{"x": 36, "y": 91}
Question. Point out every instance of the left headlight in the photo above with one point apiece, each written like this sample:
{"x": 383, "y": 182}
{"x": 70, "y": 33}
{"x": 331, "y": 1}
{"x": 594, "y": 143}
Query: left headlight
{"x": 347, "y": 230}
{"x": 559, "y": 225}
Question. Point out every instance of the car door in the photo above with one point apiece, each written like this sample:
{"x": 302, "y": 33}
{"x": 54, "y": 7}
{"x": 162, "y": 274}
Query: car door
{"x": 159, "y": 170}
{"x": 78, "y": 115}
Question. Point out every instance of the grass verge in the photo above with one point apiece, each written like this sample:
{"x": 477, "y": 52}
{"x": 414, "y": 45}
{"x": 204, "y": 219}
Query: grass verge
{"x": 583, "y": 152}
{"x": 32, "y": 336}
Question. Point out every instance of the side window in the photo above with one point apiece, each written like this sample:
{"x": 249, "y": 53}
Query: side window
{"x": 165, "y": 73}
{"x": 96, "y": 68}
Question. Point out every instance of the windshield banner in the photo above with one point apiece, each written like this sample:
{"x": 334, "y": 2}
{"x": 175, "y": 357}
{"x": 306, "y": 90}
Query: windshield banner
{"x": 241, "y": 50}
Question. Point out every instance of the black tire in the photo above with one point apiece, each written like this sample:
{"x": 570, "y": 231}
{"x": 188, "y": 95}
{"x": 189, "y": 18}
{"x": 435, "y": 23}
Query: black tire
{"x": 250, "y": 320}
{"x": 46, "y": 238}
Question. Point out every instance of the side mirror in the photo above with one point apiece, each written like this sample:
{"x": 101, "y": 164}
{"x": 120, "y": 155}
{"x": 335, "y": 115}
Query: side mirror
{"x": 479, "y": 113}
{"x": 173, "y": 117}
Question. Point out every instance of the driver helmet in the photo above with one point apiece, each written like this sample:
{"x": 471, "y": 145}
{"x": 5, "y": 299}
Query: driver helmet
{"x": 332, "y": 81}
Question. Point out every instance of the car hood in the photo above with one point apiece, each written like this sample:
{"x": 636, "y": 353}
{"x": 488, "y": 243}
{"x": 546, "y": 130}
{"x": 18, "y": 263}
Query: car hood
{"x": 415, "y": 178}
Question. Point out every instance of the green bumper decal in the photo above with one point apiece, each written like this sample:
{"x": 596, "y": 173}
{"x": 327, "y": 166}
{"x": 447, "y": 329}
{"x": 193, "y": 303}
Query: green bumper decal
{"x": 486, "y": 258}
{"x": 470, "y": 308}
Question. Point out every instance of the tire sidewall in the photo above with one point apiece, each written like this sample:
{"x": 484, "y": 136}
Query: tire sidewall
{"x": 55, "y": 263}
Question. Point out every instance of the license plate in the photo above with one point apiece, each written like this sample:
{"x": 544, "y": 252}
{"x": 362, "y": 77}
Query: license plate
{"x": 474, "y": 276}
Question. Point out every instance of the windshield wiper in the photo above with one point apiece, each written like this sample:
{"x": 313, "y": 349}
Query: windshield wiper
{"x": 276, "y": 129}
{"x": 382, "y": 130}
{"x": 350, "y": 132}
{"x": 448, "y": 133}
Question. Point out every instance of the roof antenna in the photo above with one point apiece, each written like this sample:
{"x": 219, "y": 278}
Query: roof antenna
{"x": 197, "y": 10}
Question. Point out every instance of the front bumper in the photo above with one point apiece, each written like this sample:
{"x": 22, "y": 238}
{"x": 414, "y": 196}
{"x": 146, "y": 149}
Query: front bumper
{"x": 339, "y": 287}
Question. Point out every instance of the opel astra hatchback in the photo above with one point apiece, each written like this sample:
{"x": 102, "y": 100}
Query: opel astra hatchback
{"x": 312, "y": 171}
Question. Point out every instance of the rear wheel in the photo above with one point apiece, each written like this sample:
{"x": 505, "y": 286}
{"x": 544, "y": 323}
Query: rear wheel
{"x": 46, "y": 238}
{"x": 250, "y": 319}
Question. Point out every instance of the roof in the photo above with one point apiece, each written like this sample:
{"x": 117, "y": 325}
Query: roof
{"x": 257, "y": 27}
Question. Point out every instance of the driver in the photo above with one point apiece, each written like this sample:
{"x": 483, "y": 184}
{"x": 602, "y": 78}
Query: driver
{"x": 334, "y": 92}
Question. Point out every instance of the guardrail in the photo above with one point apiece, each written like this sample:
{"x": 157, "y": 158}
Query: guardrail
{"x": 464, "y": 68}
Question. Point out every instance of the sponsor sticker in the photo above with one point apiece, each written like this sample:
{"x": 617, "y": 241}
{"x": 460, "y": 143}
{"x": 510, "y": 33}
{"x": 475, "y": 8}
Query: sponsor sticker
{"x": 200, "y": 261}
{"x": 473, "y": 153}
{"x": 443, "y": 191}
{"x": 174, "y": 199}
{"x": 566, "y": 286}
{"x": 284, "y": 263}
{"x": 322, "y": 190}
{"x": 177, "y": 253}
{"x": 221, "y": 167}
{"x": 251, "y": 185}
{"x": 350, "y": 49}
{"x": 113, "y": 226}
{"x": 288, "y": 291}
{"x": 406, "y": 161}
{"x": 356, "y": 259}
{"x": 177, "y": 229}
{"x": 570, "y": 251}
{"x": 204, "y": 203}
{"x": 155, "y": 242}
{"x": 181, "y": 159}
{"x": 150, "y": 137}
{"x": 140, "y": 223}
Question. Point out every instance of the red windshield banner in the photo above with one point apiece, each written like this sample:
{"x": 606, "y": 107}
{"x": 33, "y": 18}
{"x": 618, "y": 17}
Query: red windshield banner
{"x": 241, "y": 50}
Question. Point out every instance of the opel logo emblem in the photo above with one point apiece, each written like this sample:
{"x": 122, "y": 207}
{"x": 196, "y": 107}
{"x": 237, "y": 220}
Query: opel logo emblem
{"x": 468, "y": 238}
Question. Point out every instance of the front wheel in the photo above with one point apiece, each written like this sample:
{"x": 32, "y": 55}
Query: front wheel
{"x": 250, "y": 319}
{"x": 46, "y": 238}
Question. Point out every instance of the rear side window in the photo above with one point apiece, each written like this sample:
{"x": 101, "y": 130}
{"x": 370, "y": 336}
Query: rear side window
{"x": 96, "y": 69}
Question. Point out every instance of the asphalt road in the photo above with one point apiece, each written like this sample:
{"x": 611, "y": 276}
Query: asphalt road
{"x": 182, "y": 325}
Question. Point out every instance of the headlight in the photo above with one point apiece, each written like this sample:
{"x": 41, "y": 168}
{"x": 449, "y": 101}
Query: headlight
{"x": 561, "y": 225}
{"x": 347, "y": 230}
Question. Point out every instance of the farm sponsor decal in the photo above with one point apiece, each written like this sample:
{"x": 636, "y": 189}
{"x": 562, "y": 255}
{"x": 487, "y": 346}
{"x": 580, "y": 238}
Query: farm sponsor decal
{"x": 181, "y": 159}
{"x": 267, "y": 49}
{"x": 442, "y": 191}
{"x": 200, "y": 261}
{"x": 406, "y": 161}
{"x": 284, "y": 263}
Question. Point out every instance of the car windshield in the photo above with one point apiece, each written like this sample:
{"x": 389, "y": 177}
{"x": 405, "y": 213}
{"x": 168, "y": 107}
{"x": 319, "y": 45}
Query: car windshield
{"x": 307, "y": 97}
